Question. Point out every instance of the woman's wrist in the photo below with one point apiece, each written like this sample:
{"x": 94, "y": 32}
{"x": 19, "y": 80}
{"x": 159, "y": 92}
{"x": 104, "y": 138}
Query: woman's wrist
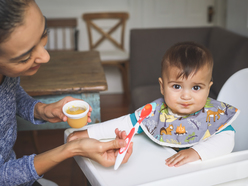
{"x": 39, "y": 110}
{"x": 72, "y": 149}
{"x": 78, "y": 147}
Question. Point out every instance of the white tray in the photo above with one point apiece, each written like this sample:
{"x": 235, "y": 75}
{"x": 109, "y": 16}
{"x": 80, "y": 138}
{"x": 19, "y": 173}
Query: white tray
{"x": 147, "y": 166}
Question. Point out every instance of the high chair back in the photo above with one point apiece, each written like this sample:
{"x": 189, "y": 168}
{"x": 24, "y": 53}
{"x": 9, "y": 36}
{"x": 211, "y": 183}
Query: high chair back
{"x": 234, "y": 92}
{"x": 106, "y": 33}
{"x": 63, "y": 34}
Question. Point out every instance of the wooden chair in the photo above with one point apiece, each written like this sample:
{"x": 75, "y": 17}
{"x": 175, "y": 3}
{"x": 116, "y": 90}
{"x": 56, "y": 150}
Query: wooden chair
{"x": 63, "y": 34}
{"x": 113, "y": 35}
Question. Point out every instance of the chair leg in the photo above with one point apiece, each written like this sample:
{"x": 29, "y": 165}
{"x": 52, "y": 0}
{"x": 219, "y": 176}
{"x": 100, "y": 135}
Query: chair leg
{"x": 124, "y": 73}
{"x": 36, "y": 143}
{"x": 125, "y": 80}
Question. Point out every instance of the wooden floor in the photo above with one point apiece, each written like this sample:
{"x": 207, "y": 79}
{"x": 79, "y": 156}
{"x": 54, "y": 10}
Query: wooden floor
{"x": 68, "y": 173}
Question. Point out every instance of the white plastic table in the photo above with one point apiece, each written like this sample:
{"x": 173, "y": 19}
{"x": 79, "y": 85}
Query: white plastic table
{"x": 146, "y": 166}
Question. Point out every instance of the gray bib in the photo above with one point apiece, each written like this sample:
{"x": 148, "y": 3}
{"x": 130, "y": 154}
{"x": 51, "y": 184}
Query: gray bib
{"x": 167, "y": 129}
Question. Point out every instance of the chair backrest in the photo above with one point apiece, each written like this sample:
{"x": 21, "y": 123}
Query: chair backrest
{"x": 234, "y": 92}
{"x": 63, "y": 34}
{"x": 93, "y": 22}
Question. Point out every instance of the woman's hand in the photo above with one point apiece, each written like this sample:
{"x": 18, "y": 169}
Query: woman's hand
{"x": 182, "y": 157}
{"x": 53, "y": 112}
{"x": 104, "y": 153}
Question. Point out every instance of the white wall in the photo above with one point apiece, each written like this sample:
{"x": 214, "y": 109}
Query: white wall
{"x": 237, "y": 16}
{"x": 75, "y": 8}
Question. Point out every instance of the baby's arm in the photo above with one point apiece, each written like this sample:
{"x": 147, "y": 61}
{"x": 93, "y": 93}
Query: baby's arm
{"x": 217, "y": 145}
{"x": 104, "y": 130}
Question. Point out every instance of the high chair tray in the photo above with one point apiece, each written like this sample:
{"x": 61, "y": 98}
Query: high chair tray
{"x": 146, "y": 166}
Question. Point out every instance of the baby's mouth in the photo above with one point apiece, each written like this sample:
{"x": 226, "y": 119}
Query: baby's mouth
{"x": 186, "y": 104}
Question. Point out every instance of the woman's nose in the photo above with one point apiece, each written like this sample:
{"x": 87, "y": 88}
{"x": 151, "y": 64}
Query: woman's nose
{"x": 42, "y": 56}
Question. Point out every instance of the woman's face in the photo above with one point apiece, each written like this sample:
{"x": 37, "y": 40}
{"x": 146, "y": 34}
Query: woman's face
{"x": 23, "y": 52}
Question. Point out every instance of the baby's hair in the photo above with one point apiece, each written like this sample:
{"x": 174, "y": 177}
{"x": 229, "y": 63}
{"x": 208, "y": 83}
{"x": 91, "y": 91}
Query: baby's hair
{"x": 187, "y": 56}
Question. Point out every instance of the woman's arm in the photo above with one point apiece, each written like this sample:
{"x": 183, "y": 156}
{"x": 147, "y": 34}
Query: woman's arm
{"x": 30, "y": 168}
{"x": 25, "y": 105}
{"x": 17, "y": 171}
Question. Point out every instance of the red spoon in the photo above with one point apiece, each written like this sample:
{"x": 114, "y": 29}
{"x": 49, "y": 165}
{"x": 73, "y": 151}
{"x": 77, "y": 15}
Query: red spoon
{"x": 122, "y": 152}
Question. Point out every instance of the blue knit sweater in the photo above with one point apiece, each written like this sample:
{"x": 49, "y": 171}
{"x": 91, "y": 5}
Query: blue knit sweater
{"x": 15, "y": 101}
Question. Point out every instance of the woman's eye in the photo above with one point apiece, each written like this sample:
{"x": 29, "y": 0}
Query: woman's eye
{"x": 176, "y": 86}
{"x": 196, "y": 88}
{"x": 25, "y": 60}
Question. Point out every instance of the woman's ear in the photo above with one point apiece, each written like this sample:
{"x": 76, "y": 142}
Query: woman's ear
{"x": 161, "y": 85}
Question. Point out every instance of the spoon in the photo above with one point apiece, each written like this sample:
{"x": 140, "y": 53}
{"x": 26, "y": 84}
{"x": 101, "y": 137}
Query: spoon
{"x": 122, "y": 152}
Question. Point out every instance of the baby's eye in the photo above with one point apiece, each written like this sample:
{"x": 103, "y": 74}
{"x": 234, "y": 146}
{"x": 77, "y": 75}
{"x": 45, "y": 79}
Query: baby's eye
{"x": 176, "y": 86}
{"x": 196, "y": 87}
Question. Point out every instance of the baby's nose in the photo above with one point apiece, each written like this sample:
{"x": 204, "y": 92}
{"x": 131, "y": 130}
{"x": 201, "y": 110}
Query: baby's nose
{"x": 185, "y": 95}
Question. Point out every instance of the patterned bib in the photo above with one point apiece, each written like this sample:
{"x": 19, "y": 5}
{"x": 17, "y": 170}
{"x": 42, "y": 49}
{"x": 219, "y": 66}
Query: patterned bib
{"x": 168, "y": 129}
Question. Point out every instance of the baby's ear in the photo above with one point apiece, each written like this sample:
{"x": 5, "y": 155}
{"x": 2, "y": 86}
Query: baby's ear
{"x": 210, "y": 84}
{"x": 161, "y": 85}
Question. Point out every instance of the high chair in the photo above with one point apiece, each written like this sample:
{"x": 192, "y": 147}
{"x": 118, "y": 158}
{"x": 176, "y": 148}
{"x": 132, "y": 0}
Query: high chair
{"x": 234, "y": 92}
{"x": 146, "y": 166}
{"x": 109, "y": 40}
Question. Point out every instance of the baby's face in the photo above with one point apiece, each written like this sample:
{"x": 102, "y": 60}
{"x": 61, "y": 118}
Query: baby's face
{"x": 185, "y": 96}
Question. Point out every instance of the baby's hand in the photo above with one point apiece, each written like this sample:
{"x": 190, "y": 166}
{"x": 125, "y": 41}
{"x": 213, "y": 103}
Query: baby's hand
{"x": 77, "y": 135}
{"x": 120, "y": 134}
{"x": 182, "y": 157}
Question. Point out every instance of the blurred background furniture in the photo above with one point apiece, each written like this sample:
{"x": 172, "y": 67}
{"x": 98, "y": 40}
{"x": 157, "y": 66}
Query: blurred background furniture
{"x": 69, "y": 73}
{"x": 148, "y": 46}
{"x": 101, "y": 35}
{"x": 234, "y": 92}
{"x": 63, "y": 34}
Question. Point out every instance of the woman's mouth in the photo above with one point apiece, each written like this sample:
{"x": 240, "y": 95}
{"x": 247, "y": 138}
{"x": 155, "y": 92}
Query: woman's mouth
{"x": 35, "y": 67}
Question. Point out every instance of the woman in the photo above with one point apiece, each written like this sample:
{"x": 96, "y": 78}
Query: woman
{"x": 23, "y": 35}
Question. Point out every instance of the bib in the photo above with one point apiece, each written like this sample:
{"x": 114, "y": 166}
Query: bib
{"x": 168, "y": 129}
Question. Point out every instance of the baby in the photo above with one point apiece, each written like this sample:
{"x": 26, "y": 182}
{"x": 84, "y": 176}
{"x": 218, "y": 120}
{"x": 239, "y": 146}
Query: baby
{"x": 185, "y": 119}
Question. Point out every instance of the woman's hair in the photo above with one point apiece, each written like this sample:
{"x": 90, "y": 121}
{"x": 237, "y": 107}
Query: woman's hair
{"x": 11, "y": 16}
{"x": 187, "y": 56}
